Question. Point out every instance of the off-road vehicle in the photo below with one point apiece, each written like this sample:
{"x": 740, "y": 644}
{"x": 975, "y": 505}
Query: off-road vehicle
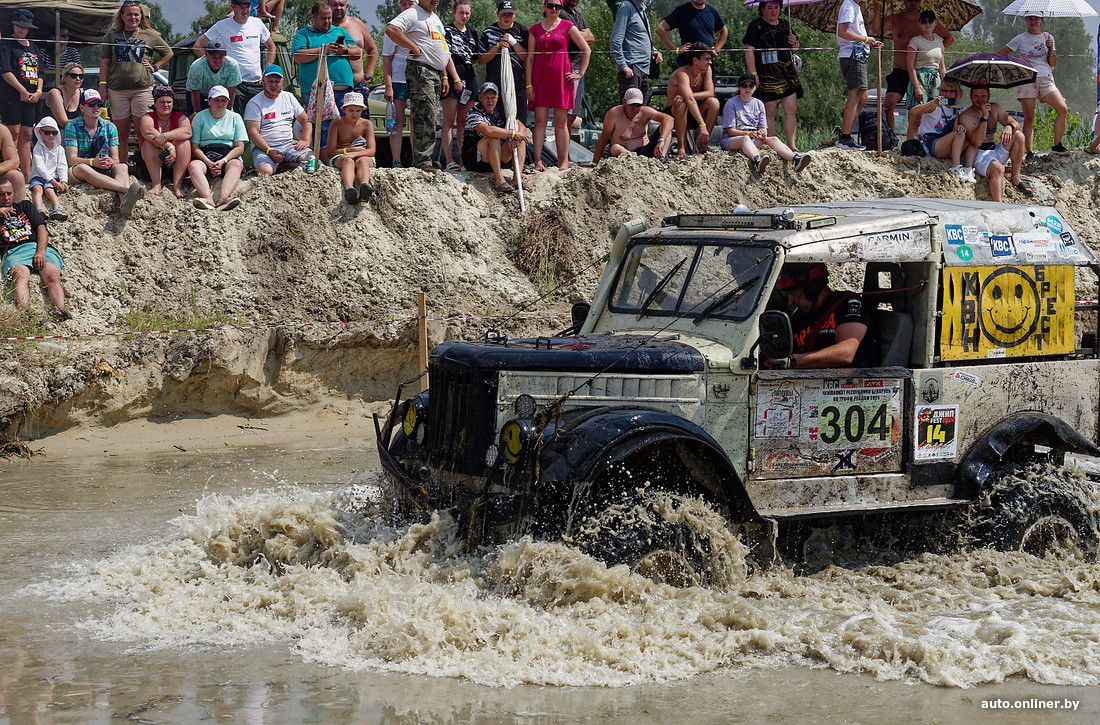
{"x": 659, "y": 390}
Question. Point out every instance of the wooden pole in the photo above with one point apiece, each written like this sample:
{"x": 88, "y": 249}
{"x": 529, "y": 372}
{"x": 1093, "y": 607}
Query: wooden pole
{"x": 422, "y": 335}
{"x": 57, "y": 47}
{"x": 322, "y": 76}
{"x": 878, "y": 93}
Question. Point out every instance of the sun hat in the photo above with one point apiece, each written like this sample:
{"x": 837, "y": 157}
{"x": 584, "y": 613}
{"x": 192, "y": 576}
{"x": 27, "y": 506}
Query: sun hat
{"x": 353, "y": 99}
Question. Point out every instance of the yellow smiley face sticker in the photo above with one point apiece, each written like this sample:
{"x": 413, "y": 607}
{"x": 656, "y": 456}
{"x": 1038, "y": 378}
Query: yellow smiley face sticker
{"x": 511, "y": 437}
{"x": 1008, "y": 307}
{"x": 410, "y": 419}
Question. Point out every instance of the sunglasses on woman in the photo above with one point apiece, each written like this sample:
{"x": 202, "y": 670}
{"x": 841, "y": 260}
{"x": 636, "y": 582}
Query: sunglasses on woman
{"x": 76, "y": 76}
{"x": 552, "y": 6}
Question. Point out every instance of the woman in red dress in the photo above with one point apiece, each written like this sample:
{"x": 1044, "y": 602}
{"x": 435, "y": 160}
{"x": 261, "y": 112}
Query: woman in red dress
{"x": 551, "y": 82}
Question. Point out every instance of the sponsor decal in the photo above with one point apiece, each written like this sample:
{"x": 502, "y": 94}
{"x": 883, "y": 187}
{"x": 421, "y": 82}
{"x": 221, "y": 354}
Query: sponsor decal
{"x": 1001, "y": 246}
{"x": 967, "y": 379}
{"x": 937, "y": 432}
{"x": 954, "y": 233}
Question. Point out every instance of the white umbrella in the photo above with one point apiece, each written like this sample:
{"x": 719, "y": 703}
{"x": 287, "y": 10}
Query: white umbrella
{"x": 508, "y": 98}
{"x": 1051, "y": 8}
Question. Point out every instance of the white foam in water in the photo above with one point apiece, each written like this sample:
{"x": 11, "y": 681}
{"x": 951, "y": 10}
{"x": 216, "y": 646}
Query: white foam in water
{"x": 280, "y": 567}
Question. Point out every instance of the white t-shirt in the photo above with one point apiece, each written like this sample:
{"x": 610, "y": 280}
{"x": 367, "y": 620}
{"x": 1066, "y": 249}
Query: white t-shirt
{"x": 850, "y": 13}
{"x": 937, "y": 119}
{"x": 276, "y": 117}
{"x": 426, "y": 30}
{"x": 400, "y": 58}
{"x": 1033, "y": 49}
{"x": 243, "y": 43}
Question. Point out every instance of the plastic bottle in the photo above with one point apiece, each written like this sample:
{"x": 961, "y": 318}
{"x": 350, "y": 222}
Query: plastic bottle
{"x": 391, "y": 118}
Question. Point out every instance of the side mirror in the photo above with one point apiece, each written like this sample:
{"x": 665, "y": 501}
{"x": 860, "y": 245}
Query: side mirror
{"x": 776, "y": 339}
{"x": 579, "y": 313}
{"x": 776, "y": 336}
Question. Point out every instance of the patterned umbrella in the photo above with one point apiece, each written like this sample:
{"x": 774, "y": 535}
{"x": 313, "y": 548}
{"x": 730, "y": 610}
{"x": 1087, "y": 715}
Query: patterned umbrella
{"x": 996, "y": 70}
{"x": 821, "y": 15}
{"x": 1051, "y": 8}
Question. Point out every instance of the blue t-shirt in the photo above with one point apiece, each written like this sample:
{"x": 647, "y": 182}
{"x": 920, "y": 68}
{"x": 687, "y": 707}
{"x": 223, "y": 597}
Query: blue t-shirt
{"x": 339, "y": 67}
{"x": 695, "y": 26}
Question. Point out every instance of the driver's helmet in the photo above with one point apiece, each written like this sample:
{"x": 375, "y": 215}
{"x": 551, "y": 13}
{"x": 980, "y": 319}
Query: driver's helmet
{"x": 810, "y": 277}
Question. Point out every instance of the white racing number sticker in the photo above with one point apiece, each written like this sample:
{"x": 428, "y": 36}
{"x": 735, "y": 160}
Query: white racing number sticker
{"x": 851, "y": 417}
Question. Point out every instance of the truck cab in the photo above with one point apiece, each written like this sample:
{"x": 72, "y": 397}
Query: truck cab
{"x": 659, "y": 390}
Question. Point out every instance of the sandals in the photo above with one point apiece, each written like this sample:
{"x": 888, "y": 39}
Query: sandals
{"x": 202, "y": 204}
{"x": 1091, "y": 151}
{"x": 504, "y": 188}
{"x": 1024, "y": 187}
{"x": 454, "y": 166}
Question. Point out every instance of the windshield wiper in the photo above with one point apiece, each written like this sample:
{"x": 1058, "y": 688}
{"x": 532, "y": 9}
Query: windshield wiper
{"x": 661, "y": 285}
{"x": 725, "y": 299}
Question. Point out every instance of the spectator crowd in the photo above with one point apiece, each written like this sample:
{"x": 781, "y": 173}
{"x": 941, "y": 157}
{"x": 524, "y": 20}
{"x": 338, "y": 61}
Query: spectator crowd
{"x": 237, "y": 108}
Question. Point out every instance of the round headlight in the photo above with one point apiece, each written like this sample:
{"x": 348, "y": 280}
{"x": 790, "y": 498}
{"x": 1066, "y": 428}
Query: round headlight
{"x": 410, "y": 418}
{"x": 514, "y": 439}
{"x": 421, "y": 433}
{"x": 525, "y": 406}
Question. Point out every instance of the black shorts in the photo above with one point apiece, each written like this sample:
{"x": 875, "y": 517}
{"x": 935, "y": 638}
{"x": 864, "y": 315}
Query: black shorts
{"x": 14, "y": 112}
{"x": 692, "y": 124}
{"x": 469, "y": 80}
{"x": 639, "y": 81}
{"x": 897, "y": 81}
{"x": 469, "y": 154}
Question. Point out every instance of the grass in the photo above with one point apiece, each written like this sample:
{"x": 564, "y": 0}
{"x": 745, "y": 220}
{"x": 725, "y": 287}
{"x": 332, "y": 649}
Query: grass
{"x": 191, "y": 318}
{"x": 544, "y": 249}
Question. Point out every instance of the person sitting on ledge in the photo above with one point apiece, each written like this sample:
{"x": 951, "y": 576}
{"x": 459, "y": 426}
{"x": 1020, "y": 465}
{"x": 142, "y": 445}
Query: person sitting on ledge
{"x": 488, "y": 143}
{"x": 626, "y": 127}
{"x": 25, "y": 248}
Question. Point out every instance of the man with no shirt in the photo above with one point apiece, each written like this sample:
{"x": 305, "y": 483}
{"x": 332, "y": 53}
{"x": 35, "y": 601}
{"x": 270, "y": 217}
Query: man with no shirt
{"x": 358, "y": 31}
{"x": 625, "y": 129}
{"x": 691, "y": 97}
{"x": 903, "y": 27}
{"x": 989, "y": 158}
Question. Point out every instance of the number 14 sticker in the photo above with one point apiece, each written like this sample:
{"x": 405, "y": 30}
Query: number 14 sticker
{"x": 937, "y": 432}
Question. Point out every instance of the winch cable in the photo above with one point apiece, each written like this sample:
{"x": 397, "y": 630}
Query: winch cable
{"x": 520, "y": 310}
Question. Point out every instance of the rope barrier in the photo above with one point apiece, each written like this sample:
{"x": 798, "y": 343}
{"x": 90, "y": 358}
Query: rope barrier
{"x": 270, "y": 326}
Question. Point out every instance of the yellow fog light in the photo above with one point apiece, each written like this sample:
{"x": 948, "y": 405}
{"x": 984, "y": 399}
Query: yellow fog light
{"x": 410, "y": 418}
{"x": 515, "y": 437}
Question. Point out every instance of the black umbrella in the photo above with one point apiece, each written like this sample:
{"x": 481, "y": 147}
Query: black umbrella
{"x": 996, "y": 70}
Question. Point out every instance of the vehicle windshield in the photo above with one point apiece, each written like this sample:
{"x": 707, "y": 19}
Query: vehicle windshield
{"x": 702, "y": 278}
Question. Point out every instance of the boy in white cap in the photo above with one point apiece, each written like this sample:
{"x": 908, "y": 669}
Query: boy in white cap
{"x": 351, "y": 148}
{"x": 49, "y": 168}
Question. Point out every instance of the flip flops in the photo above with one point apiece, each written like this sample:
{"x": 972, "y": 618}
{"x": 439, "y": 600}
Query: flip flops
{"x": 1024, "y": 187}
{"x": 504, "y": 188}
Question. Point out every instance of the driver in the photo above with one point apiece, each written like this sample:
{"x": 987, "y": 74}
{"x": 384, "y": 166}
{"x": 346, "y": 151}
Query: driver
{"x": 831, "y": 328}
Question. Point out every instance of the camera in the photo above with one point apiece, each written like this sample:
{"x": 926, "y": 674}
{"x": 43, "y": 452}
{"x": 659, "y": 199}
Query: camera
{"x": 947, "y": 101}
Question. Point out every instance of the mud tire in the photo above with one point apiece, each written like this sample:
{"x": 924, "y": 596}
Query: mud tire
{"x": 1040, "y": 519}
{"x": 632, "y": 530}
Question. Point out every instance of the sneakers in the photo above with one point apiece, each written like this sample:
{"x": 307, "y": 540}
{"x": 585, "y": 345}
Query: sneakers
{"x": 970, "y": 175}
{"x": 959, "y": 171}
{"x": 1059, "y": 150}
{"x": 351, "y": 196}
{"x": 133, "y": 195}
{"x": 396, "y": 165}
{"x": 42, "y": 212}
{"x": 761, "y": 163}
{"x": 58, "y": 214}
{"x": 365, "y": 191}
{"x": 847, "y": 142}
{"x": 801, "y": 161}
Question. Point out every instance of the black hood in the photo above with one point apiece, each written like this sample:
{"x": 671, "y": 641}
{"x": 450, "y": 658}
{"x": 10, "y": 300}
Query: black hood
{"x": 615, "y": 353}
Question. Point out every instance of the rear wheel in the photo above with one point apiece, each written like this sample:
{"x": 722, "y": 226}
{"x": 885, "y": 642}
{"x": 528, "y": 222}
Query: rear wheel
{"x": 1040, "y": 509}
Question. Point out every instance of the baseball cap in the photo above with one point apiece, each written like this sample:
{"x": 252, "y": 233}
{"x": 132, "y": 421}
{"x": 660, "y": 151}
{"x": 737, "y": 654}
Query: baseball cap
{"x": 218, "y": 92}
{"x": 90, "y": 95}
{"x": 273, "y": 70}
{"x": 215, "y": 47}
{"x": 488, "y": 86}
{"x": 633, "y": 97}
{"x": 506, "y": 6}
{"x": 23, "y": 18}
{"x": 746, "y": 78}
{"x": 353, "y": 99}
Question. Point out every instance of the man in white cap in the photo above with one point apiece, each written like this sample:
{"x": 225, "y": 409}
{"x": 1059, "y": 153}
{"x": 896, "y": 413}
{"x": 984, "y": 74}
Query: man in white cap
{"x": 245, "y": 38}
{"x": 626, "y": 129}
{"x": 216, "y": 69}
{"x": 487, "y": 143}
{"x": 270, "y": 118}
{"x": 91, "y": 144}
{"x": 351, "y": 148}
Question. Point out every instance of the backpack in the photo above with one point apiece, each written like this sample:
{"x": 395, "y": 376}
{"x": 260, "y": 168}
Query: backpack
{"x": 868, "y": 135}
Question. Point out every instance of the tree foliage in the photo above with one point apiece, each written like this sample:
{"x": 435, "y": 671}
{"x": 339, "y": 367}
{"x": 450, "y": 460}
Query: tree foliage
{"x": 157, "y": 20}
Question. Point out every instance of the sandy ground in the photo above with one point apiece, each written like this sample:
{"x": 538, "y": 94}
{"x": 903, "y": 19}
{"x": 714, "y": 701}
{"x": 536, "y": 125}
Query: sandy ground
{"x": 345, "y": 424}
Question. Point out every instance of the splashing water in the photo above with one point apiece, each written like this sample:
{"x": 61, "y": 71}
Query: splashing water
{"x": 322, "y": 573}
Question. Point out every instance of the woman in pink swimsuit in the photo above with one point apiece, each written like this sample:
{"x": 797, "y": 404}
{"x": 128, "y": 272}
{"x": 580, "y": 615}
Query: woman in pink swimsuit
{"x": 550, "y": 79}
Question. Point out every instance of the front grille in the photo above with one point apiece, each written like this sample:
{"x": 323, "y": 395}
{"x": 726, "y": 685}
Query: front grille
{"x": 461, "y": 417}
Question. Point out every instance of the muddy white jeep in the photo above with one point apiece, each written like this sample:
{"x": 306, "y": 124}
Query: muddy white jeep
{"x": 657, "y": 394}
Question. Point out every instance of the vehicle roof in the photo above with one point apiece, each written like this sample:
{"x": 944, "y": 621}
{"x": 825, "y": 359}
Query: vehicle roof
{"x": 87, "y": 20}
{"x": 973, "y": 233}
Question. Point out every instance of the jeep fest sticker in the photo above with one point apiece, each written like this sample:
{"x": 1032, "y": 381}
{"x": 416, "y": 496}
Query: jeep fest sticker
{"x": 937, "y": 432}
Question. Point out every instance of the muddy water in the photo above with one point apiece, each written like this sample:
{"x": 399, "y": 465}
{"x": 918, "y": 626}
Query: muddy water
{"x": 234, "y": 586}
